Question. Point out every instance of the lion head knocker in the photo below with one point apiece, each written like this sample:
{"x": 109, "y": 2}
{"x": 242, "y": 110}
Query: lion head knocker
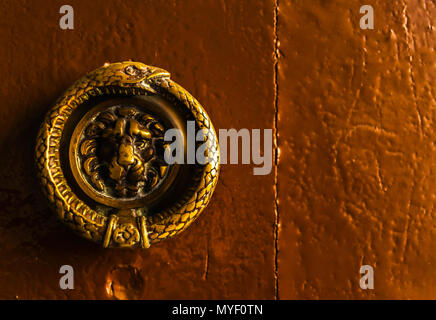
{"x": 120, "y": 152}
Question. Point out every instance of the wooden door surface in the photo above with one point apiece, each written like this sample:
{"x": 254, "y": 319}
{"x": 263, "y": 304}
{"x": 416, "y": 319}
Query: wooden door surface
{"x": 352, "y": 114}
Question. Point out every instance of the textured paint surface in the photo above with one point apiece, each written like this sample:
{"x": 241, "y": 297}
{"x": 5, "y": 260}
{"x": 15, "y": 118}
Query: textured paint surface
{"x": 354, "y": 111}
{"x": 357, "y": 154}
{"x": 222, "y": 53}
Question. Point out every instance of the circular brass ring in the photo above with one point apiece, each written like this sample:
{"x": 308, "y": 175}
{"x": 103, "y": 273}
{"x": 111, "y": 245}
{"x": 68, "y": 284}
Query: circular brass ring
{"x": 100, "y": 156}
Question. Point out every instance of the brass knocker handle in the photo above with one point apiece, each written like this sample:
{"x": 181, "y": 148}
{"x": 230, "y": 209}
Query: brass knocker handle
{"x": 100, "y": 157}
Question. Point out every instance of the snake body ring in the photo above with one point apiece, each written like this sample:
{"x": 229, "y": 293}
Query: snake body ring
{"x": 100, "y": 155}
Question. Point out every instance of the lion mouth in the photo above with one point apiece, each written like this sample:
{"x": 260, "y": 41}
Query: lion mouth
{"x": 129, "y": 178}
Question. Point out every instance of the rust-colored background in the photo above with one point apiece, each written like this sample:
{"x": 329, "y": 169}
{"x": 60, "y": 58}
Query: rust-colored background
{"x": 354, "y": 114}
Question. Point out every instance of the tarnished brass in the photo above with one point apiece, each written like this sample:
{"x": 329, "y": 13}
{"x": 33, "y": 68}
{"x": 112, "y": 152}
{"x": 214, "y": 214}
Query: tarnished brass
{"x": 100, "y": 157}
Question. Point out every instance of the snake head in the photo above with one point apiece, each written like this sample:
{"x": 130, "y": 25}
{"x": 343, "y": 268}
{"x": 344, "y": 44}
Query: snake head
{"x": 136, "y": 72}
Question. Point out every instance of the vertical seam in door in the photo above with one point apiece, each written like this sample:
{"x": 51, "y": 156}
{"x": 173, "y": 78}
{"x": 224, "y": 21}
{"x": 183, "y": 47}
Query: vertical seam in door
{"x": 276, "y": 149}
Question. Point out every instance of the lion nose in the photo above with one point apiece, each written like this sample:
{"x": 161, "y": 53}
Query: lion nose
{"x": 125, "y": 152}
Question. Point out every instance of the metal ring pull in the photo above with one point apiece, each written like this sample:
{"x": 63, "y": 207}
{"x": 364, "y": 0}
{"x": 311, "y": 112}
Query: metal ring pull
{"x": 100, "y": 154}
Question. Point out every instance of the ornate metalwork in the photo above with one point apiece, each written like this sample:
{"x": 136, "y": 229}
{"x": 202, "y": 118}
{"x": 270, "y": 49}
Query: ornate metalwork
{"x": 99, "y": 154}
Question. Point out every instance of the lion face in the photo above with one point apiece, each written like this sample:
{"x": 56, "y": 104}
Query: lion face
{"x": 122, "y": 152}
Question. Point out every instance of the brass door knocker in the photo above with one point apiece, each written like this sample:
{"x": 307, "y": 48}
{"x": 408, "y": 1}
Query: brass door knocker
{"x": 100, "y": 155}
